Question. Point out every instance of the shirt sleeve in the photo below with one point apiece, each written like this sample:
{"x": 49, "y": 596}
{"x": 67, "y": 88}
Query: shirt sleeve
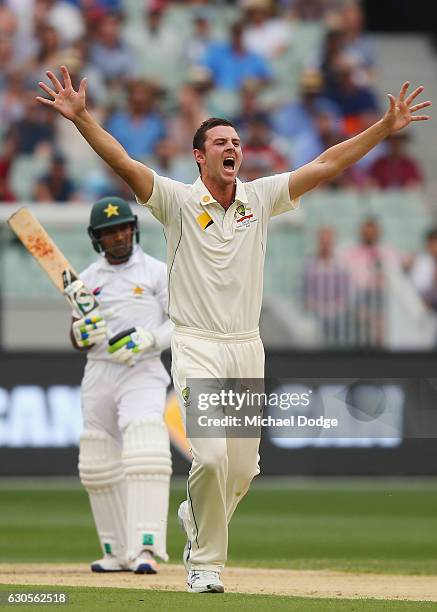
{"x": 163, "y": 202}
{"x": 275, "y": 195}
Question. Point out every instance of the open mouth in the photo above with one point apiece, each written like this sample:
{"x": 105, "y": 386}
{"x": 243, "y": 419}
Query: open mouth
{"x": 229, "y": 163}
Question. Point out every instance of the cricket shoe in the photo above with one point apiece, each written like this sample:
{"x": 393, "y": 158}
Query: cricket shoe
{"x": 145, "y": 564}
{"x": 108, "y": 563}
{"x": 182, "y": 517}
{"x": 204, "y": 581}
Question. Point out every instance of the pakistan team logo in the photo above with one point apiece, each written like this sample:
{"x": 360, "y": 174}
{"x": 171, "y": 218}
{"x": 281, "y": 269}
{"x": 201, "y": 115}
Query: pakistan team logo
{"x": 241, "y": 210}
{"x": 186, "y": 395}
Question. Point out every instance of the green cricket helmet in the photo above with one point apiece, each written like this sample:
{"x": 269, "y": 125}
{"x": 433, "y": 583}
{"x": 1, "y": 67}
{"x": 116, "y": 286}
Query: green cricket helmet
{"x": 108, "y": 212}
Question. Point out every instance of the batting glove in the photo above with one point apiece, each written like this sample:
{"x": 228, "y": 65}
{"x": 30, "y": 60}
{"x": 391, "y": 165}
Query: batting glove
{"x": 124, "y": 346}
{"x": 89, "y": 330}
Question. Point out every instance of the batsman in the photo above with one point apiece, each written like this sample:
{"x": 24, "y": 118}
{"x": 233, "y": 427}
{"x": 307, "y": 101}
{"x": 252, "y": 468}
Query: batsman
{"x": 124, "y": 453}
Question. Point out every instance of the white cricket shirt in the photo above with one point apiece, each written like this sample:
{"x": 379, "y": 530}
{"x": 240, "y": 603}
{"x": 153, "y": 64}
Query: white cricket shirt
{"x": 215, "y": 259}
{"x": 136, "y": 292}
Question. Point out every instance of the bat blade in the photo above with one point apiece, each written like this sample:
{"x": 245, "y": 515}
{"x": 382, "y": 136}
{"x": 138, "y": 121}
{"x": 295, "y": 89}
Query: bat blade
{"x": 51, "y": 259}
{"x": 39, "y": 244}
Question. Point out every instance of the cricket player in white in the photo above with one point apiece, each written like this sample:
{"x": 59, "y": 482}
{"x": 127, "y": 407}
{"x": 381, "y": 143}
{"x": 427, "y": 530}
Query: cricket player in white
{"x": 216, "y": 237}
{"x": 124, "y": 458}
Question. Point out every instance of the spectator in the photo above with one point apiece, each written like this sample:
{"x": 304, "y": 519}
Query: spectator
{"x": 358, "y": 46}
{"x": 250, "y": 106}
{"x": 158, "y": 47}
{"x": 101, "y": 181}
{"x": 329, "y": 134}
{"x": 66, "y": 18}
{"x": 34, "y": 133}
{"x": 139, "y": 127}
{"x": 297, "y": 120}
{"x": 74, "y": 148}
{"x": 201, "y": 37}
{"x": 264, "y": 34}
{"x": 326, "y": 133}
{"x": 326, "y": 289}
{"x": 109, "y": 53}
{"x": 296, "y": 116}
{"x": 77, "y": 58}
{"x": 191, "y": 109}
{"x": 423, "y": 273}
{"x": 254, "y": 168}
{"x": 165, "y": 161}
{"x": 354, "y": 100}
{"x": 231, "y": 65}
{"x": 55, "y": 186}
{"x": 94, "y": 10}
{"x": 13, "y": 99}
{"x": 259, "y": 150}
{"x": 48, "y": 54}
{"x": 396, "y": 169}
{"x": 327, "y": 58}
{"x": 8, "y": 22}
{"x": 367, "y": 263}
{"x": 68, "y": 140}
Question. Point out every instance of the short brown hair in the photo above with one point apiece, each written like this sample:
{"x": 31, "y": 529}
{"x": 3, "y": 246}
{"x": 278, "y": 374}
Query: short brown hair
{"x": 200, "y": 135}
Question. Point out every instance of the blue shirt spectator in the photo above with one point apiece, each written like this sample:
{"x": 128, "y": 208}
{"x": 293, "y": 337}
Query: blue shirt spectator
{"x": 110, "y": 54}
{"x": 140, "y": 127}
{"x": 347, "y": 93}
{"x": 231, "y": 65}
{"x": 34, "y": 129}
{"x": 138, "y": 136}
{"x": 297, "y": 120}
{"x": 55, "y": 185}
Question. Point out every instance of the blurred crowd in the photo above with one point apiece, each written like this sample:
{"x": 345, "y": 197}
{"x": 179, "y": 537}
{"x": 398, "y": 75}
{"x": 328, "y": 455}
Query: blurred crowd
{"x": 296, "y": 76}
{"x": 345, "y": 289}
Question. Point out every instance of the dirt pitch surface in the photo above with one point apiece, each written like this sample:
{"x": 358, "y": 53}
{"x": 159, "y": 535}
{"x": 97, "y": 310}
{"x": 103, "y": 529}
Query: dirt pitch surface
{"x": 321, "y": 583}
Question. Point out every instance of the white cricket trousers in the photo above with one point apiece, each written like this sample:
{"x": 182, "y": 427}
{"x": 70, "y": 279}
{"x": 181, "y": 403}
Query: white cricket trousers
{"x": 222, "y": 468}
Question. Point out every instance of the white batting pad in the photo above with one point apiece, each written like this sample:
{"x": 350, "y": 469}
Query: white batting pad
{"x": 147, "y": 465}
{"x": 101, "y": 473}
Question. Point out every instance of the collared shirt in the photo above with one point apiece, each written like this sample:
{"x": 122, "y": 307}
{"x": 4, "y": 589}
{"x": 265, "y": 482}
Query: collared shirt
{"x": 136, "y": 294}
{"x": 215, "y": 258}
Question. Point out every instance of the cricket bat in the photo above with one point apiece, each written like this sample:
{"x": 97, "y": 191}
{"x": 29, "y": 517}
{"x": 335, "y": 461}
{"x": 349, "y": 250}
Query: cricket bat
{"x": 54, "y": 263}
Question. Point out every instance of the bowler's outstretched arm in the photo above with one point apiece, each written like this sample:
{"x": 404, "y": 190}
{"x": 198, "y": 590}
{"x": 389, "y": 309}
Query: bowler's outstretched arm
{"x": 71, "y": 104}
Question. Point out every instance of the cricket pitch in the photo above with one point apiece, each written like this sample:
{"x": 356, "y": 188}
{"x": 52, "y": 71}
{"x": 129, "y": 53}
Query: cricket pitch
{"x": 299, "y": 583}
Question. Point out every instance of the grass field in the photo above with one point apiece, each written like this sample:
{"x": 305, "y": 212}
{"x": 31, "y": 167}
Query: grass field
{"x": 386, "y": 526}
{"x": 117, "y": 600}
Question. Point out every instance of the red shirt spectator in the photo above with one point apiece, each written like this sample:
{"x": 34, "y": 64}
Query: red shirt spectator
{"x": 259, "y": 151}
{"x": 396, "y": 169}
